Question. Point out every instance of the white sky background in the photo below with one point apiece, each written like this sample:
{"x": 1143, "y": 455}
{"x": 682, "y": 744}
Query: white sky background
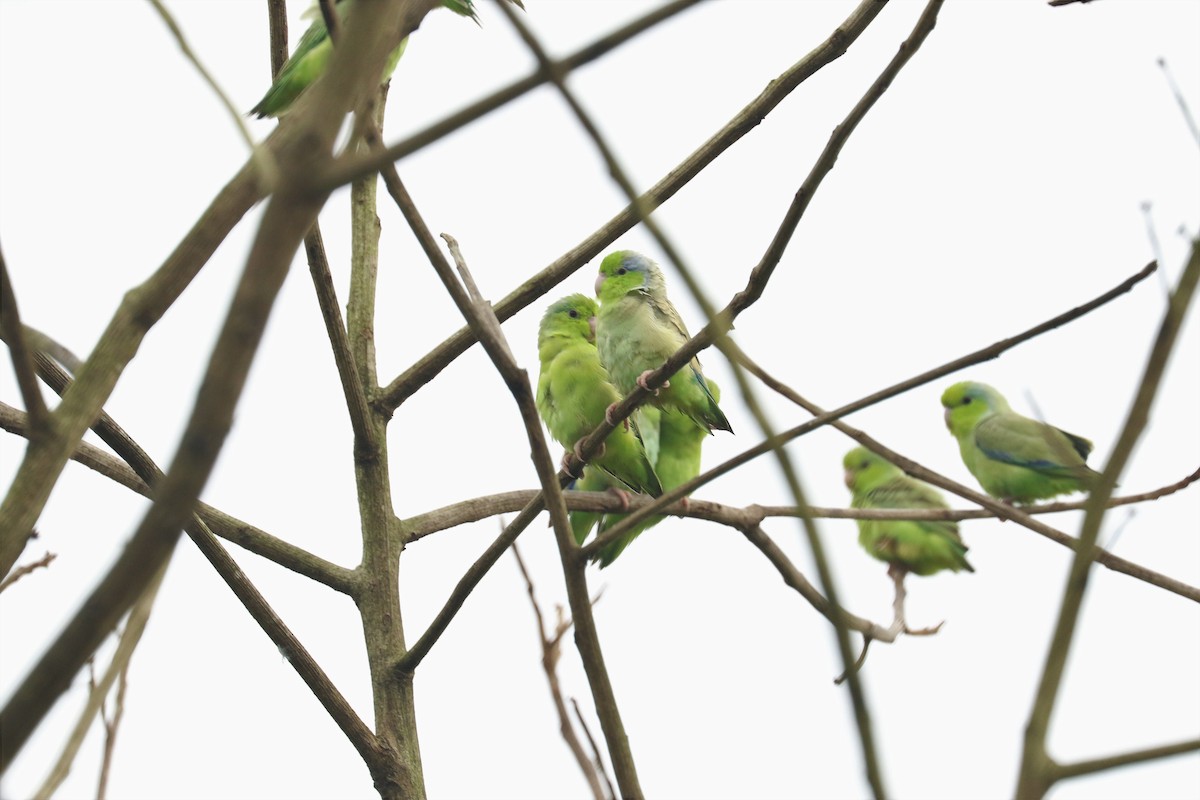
{"x": 997, "y": 184}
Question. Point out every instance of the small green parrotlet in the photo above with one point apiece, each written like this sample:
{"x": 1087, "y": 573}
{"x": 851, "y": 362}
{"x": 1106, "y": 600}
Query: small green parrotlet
{"x": 673, "y": 444}
{"x": 1014, "y": 458}
{"x": 574, "y": 391}
{"x": 920, "y": 546}
{"x": 311, "y": 57}
{"x": 637, "y": 329}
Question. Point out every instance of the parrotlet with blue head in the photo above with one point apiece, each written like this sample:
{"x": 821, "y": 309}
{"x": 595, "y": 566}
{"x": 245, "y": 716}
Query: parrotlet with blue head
{"x": 638, "y": 328}
{"x": 1014, "y": 458}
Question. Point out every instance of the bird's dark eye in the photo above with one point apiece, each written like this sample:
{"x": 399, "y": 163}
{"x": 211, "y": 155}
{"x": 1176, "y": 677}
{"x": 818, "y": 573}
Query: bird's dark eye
{"x": 622, "y": 271}
{"x": 573, "y": 314}
{"x": 966, "y": 401}
{"x": 864, "y": 465}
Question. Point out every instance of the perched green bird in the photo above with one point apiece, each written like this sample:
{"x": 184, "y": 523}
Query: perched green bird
{"x": 311, "y": 57}
{"x": 574, "y": 391}
{"x": 673, "y": 444}
{"x": 637, "y": 329}
{"x": 1014, "y": 458}
{"x": 920, "y": 546}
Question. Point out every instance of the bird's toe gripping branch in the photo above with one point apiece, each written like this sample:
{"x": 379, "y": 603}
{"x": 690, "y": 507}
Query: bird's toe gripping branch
{"x": 622, "y": 496}
{"x": 642, "y": 382}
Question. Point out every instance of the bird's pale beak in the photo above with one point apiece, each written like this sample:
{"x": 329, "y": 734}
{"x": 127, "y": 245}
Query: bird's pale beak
{"x": 592, "y": 325}
{"x": 848, "y": 476}
{"x": 599, "y": 283}
{"x": 946, "y": 416}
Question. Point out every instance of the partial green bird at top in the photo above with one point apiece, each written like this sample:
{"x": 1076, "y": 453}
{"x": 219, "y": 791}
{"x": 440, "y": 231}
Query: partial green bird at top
{"x": 311, "y": 57}
{"x": 1014, "y": 458}
{"x": 920, "y": 546}
{"x": 638, "y": 328}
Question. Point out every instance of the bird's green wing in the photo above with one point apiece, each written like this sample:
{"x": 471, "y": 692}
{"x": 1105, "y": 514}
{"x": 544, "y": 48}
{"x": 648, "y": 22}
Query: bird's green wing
{"x": 1013, "y": 439}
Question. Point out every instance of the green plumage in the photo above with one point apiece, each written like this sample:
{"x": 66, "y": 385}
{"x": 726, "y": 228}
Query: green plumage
{"x": 1014, "y": 458}
{"x": 637, "y": 329}
{"x": 920, "y": 546}
{"x": 673, "y": 443}
{"x": 311, "y": 57}
{"x": 574, "y": 391}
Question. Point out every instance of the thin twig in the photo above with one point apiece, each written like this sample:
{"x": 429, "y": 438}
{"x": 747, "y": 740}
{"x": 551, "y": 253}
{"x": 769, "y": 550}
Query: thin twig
{"x": 13, "y": 334}
{"x": 353, "y": 167}
{"x": 858, "y": 662}
{"x": 550, "y": 655}
{"x": 429, "y": 366}
{"x": 1002, "y": 510}
{"x": 269, "y": 170}
{"x": 596, "y": 759}
{"x": 25, "y": 569}
{"x": 131, "y": 635}
{"x": 147, "y": 474}
{"x": 111, "y": 727}
{"x": 1094, "y": 765}
{"x": 1183, "y": 105}
{"x": 1037, "y": 774}
{"x": 482, "y": 320}
{"x": 421, "y": 525}
{"x": 365, "y": 435}
{"x": 313, "y": 126}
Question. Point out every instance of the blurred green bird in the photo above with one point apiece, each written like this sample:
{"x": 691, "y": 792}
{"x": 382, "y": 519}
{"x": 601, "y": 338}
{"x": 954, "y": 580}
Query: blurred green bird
{"x": 673, "y": 442}
{"x": 311, "y": 56}
{"x": 920, "y": 546}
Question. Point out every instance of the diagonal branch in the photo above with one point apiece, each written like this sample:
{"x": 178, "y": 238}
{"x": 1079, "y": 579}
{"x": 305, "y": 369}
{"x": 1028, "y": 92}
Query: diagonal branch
{"x": 1037, "y": 774}
{"x": 353, "y": 167}
{"x": 984, "y": 354}
{"x": 1094, "y": 765}
{"x": 13, "y": 334}
{"x": 374, "y": 32}
{"x": 550, "y": 654}
{"x": 430, "y": 365}
{"x": 996, "y": 508}
{"x": 243, "y": 534}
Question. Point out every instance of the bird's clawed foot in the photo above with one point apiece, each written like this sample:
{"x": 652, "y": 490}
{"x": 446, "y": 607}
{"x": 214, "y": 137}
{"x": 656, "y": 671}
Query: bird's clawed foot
{"x": 610, "y": 416}
{"x": 579, "y": 451}
{"x": 572, "y": 464}
{"x": 622, "y": 496}
{"x": 641, "y": 381}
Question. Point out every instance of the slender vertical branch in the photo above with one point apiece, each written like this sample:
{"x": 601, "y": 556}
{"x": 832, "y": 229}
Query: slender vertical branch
{"x": 13, "y": 334}
{"x": 551, "y": 651}
{"x": 1038, "y": 773}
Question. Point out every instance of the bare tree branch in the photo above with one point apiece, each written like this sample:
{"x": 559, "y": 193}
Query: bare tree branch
{"x": 375, "y": 31}
{"x": 483, "y": 322}
{"x": 979, "y": 356}
{"x": 1094, "y": 765}
{"x": 550, "y": 655}
{"x": 1021, "y": 516}
{"x": 429, "y": 366}
{"x": 25, "y": 569}
{"x": 610, "y": 792}
{"x": 131, "y": 635}
{"x": 352, "y": 167}
{"x": 13, "y": 334}
{"x": 231, "y": 529}
{"x": 1037, "y": 774}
